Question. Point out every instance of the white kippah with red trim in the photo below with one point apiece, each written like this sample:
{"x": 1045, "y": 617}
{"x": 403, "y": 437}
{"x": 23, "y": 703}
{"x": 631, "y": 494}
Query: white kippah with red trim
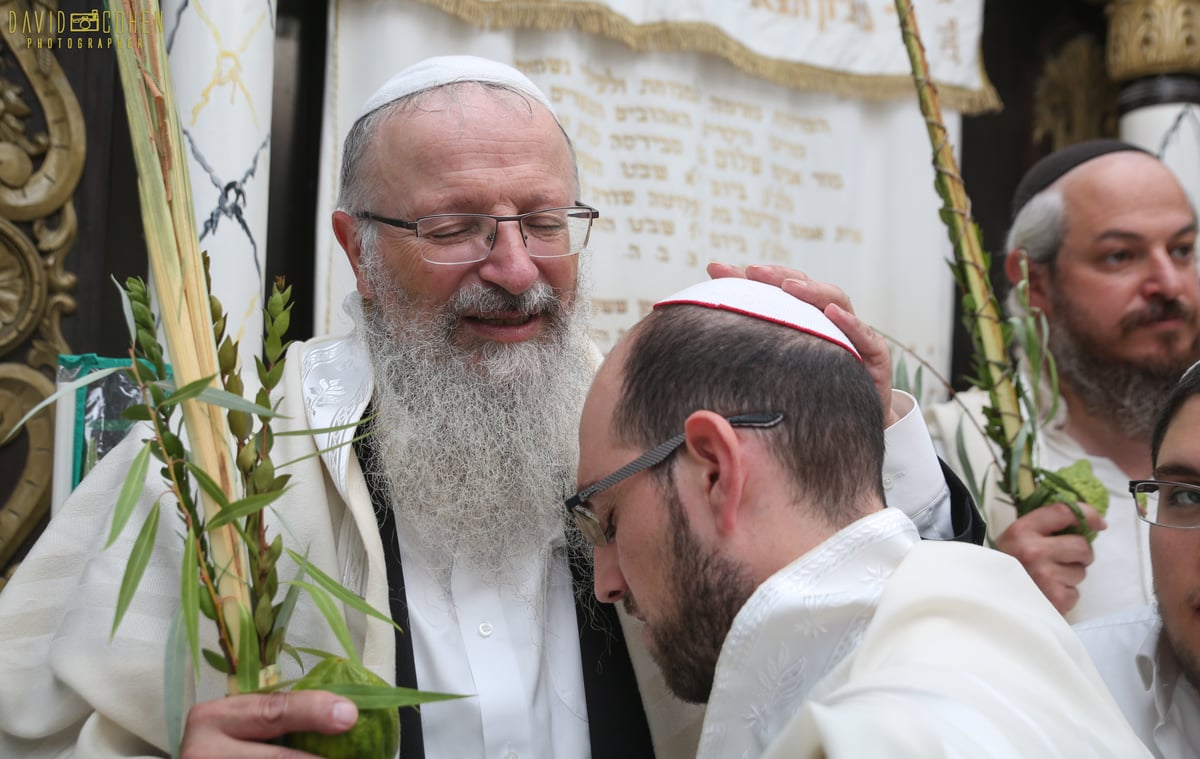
{"x": 761, "y": 301}
{"x": 447, "y": 69}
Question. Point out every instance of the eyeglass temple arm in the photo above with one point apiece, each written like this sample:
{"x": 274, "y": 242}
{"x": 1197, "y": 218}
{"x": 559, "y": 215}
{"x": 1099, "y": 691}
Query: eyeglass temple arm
{"x": 658, "y": 453}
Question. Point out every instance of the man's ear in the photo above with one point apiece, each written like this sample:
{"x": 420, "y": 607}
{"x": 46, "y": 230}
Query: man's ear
{"x": 1039, "y": 285}
{"x": 345, "y": 229}
{"x": 719, "y": 467}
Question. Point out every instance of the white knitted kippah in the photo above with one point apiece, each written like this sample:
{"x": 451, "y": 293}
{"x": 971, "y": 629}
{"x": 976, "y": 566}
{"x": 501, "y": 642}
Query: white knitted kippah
{"x": 447, "y": 69}
{"x": 761, "y": 301}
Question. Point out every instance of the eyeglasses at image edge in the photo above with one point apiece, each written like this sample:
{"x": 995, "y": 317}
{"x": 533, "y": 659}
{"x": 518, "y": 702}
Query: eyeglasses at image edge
{"x": 1143, "y": 489}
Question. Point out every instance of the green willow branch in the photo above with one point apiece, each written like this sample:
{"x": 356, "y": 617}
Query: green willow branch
{"x": 970, "y": 265}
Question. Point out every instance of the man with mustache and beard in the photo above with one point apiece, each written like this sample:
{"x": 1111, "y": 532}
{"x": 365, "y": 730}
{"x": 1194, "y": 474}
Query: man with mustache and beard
{"x": 459, "y": 211}
{"x": 1107, "y": 234}
{"x": 729, "y": 475}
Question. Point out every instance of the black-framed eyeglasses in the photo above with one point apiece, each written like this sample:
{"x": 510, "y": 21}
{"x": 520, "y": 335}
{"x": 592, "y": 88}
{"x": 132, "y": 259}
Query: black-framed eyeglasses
{"x": 467, "y": 238}
{"x": 577, "y": 505}
{"x": 1167, "y": 504}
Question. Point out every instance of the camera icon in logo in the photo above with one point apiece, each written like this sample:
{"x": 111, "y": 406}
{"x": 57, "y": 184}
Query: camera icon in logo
{"x": 85, "y": 22}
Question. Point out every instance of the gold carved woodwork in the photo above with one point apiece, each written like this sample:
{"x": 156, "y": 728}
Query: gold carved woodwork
{"x": 1148, "y": 37}
{"x": 1074, "y": 100}
{"x": 39, "y": 171}
{"x": 22, "y": 388}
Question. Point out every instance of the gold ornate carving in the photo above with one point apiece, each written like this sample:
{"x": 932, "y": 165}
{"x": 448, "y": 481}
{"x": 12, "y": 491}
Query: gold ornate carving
{"x": 1147, "y": 37}
{"x": 39, "y": 171}
{"x": 1074, "y": 99}
{"x": 22, "y": 388}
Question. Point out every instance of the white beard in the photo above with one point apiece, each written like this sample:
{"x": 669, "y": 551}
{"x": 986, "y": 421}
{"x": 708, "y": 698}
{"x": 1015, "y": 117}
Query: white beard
{"x": 477, "y": 447}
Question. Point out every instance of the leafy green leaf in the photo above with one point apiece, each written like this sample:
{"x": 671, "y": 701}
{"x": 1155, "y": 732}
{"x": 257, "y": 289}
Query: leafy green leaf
{"x": 189, "y": 597}
{"x": 1014, "y": 464}
{"x": 386, "y": 697}
{"x": 139, "y": 412}
{"x": 333, "y": 616}
{"x": 324, "y": 430}
{"x": 248, "y": 665}
{"x": 318, "y": 653}
{"x": 337, "y": 589}
{"x": 174, "y": 681}
{"x": 323, "y": 451}
{"x": 188, "y": 391}
{"x": 208, "y": 485}
{"x": 227, "y": 400}
{"x": 251, "y": 504}
{"x": 131, "y": 490}
{"x": 207, "y": 607}
{"x": 284, "y": 615}
{"x": 215, "y": 660}
{"x": 264, "y": 616}
{"x": 139, "y": 557}
{"x": 293, "y": 652}
{"x": 126, "y": 309}
{"x": 900, "y": 375}
{"x": 964, "y": 461}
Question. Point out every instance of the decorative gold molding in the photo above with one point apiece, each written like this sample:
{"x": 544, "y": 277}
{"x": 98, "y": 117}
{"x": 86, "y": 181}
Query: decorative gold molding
{"x": 1147, "y": 37}
{"x": 22, "y": 388}
{"x": 597, "y": 18}
{"x": 1074, "y": 100}
{"x": 39, "y": 173}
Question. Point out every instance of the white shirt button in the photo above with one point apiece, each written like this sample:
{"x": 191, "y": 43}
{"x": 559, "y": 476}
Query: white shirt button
{"x": 485, "y": 630}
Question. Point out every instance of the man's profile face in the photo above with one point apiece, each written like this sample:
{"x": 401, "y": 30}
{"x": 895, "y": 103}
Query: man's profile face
{"x": 481, "y": 152}
{"x": 1175, "y": 553}
{"x": 667, "y": 575}
{"x": 1125, "y": 282}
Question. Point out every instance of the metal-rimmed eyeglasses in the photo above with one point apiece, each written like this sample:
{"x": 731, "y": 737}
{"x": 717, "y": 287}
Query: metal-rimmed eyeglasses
{"x": 1167, "y": 504}
{"x": 467, "y": 238}
{"x": 577, "y": 505}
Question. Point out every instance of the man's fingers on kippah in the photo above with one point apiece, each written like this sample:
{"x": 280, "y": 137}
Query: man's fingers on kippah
{"x": 819, "y": 294}
{"x": 865, "y": 339}
{"x": 775, "y": 275}
{"x": 719, "y": 270}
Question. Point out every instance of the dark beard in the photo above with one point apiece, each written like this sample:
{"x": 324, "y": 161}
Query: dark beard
{"x": 1131, "y": 395}
{"x": 708, "y": 592}
{"x": 1185, "y": 655}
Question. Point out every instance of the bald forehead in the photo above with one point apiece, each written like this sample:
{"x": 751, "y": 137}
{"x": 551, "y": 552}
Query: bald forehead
{"x": 470, "y": 146}
{"x": 467, "y": 94}
{"x": 1128, "y": 197}
{"x": 1116, "y": 172}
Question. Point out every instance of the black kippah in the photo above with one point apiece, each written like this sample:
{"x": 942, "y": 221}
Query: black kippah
{"x": 1046, "y": 171}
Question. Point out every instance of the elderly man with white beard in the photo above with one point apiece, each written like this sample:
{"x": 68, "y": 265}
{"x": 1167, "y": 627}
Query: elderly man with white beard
{"x": 459, "y": 211}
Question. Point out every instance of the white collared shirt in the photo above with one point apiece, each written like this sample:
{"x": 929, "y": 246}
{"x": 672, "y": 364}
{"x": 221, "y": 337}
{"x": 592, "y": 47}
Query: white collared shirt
{"x": 912, "y": 478}
{"x": 522, "y": 667}
{"x": 1141, "y": 671}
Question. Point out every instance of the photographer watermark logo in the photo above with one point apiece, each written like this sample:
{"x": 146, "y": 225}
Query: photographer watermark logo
{"x": 95, "y": 29}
